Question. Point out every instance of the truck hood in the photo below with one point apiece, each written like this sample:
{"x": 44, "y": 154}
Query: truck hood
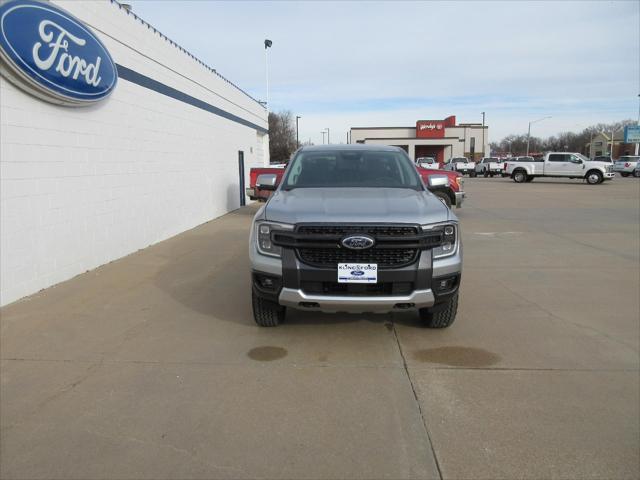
{"x": 356, "y": 205}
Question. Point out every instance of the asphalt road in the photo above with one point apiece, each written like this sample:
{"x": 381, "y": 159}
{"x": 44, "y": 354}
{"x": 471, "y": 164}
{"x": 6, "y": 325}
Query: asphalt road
{"x": 152, "y": 367}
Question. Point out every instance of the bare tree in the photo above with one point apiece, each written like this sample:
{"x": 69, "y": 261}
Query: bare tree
{"x": 282, "y": 136}
{"x": 569, "y": 141}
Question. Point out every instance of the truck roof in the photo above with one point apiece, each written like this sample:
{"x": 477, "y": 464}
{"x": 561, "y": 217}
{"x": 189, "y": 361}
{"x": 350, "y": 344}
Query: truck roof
{"x": 352, "y": 146}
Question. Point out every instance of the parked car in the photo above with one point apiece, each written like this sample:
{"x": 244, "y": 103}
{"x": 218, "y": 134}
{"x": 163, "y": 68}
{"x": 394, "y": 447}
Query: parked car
{"x": 446, "y": 185}
{"x": 427, "y": 162}
{"x": 462, "y": 165}
{"x": 561, "y": 164}
{"x": 489, "y": 166}
{"x": 626, "y": 165}
{"x": 352, "y": 228}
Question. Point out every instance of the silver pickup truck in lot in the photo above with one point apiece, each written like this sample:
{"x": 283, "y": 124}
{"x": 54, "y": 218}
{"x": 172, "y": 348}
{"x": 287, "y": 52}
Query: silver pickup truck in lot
{"x": 353, "y": 229}
{"x": 561, "y": 164}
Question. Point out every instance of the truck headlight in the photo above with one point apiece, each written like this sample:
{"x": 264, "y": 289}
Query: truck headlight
{"x": 449, "y": 239}
{"x": 264, "y": 240}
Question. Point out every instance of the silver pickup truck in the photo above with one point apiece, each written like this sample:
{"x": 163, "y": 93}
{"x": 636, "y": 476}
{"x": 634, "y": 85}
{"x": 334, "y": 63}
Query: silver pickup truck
{"x": 354, "y": 229}
{"x": 561, "y": 164}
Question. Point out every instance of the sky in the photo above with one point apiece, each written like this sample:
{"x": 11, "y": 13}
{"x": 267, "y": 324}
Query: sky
{"x": 354, "y": 64}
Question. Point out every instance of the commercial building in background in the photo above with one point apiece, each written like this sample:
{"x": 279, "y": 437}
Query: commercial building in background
{"x": 112, "y": 138}
{"x": 442, "y": 139}
{"x": 601, "y": 145}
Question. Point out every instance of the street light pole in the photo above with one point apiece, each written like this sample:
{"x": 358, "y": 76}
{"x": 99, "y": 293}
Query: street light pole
{"x": 529, "y": 133}
{"x": 483, "y": 154}
{"x": 328, "y": 137}
{"x": 297, "y": 141}
{"x": 323, "y": 134}
{"x": 267, "y": 45}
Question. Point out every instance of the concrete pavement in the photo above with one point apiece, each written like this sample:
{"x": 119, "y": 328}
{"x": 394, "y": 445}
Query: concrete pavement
{"x": 152, "y": 367}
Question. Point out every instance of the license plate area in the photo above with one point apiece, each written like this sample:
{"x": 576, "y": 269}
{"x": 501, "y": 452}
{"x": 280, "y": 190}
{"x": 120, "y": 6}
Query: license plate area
{"x": 357, "y": 273}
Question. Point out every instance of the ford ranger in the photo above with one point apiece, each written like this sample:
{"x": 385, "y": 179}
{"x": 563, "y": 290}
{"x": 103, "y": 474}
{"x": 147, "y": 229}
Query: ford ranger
{"x": 354, "y": 229}
{"x": 561, "y": 164}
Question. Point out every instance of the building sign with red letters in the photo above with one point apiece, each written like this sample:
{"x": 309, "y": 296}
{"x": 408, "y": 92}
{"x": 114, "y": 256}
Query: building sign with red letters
{"x": 434, "y": 128}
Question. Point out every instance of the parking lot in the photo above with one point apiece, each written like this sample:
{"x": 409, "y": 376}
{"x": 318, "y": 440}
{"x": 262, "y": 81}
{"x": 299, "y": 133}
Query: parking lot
{"x": 152, "y": 367}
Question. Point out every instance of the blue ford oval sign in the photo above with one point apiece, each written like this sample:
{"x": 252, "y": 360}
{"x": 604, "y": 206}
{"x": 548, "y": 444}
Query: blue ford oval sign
{"x": 51, "y": 54}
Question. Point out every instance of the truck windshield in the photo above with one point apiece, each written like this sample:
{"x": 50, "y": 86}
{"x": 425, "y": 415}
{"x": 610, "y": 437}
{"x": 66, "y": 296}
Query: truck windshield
{"x": 344, "y": 168}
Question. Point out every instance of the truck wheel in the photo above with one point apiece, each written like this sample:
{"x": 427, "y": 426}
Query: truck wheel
{"x": 442, "y": 318}
{"x": 473, "y": 174}
{"x": 594, "y": 177}
{"x": 519, "y": 176}
{"x": 624, "y": 174}
{"x": 267, "y": 313}
{"x": 636, "y": 173}
{"x": 444, "y": 198}
{"x": 486, "y": 174}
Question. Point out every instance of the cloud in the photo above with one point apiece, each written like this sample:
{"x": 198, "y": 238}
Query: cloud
{"x": 341, "y": 64}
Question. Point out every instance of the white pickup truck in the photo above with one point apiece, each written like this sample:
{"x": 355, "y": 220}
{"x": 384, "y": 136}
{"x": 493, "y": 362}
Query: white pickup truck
{"x": 462, "y": 165}
{"x": 561, "y": 164}
{"x": 490, "y": 166}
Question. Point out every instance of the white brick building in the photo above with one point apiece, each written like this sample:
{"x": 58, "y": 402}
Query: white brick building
{"x": 82, "y": 186}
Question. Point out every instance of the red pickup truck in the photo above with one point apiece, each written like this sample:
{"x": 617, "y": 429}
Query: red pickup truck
{"x": 446, "y": 185}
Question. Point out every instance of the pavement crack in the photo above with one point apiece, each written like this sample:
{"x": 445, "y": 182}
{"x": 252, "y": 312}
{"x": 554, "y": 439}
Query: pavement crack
{"x": 415, "y": 396}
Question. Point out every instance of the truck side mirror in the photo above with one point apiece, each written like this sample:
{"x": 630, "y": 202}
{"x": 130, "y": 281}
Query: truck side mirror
{"x": 267, "y": 181}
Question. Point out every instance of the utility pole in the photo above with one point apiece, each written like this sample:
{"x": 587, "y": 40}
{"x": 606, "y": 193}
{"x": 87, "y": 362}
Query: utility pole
{"x": 328, "y": 137}
{"x": 611, "y": 151}
{"x": 267, "y": 45}
{"x": 323, "y": 134}
{"x": 297, "y": 141}
{"x": 483, "y": 155}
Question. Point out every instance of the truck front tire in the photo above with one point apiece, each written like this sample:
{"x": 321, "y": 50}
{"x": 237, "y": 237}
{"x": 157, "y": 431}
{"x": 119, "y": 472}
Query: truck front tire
{"x": 267, "y": 313}
{"x": 443, "y": 317}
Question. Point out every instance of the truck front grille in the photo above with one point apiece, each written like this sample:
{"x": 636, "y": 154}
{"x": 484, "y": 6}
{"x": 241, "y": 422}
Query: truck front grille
{"x": 320, "y": 245}
{"x": 385, "y": 258}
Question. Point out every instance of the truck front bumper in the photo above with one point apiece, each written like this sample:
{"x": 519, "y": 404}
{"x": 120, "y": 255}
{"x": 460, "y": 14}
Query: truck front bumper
{"x": 297, "y": 298}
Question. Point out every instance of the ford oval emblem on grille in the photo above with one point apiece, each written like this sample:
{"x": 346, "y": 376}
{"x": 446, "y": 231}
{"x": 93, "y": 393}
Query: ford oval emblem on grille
{"x": 358, "y": 242}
